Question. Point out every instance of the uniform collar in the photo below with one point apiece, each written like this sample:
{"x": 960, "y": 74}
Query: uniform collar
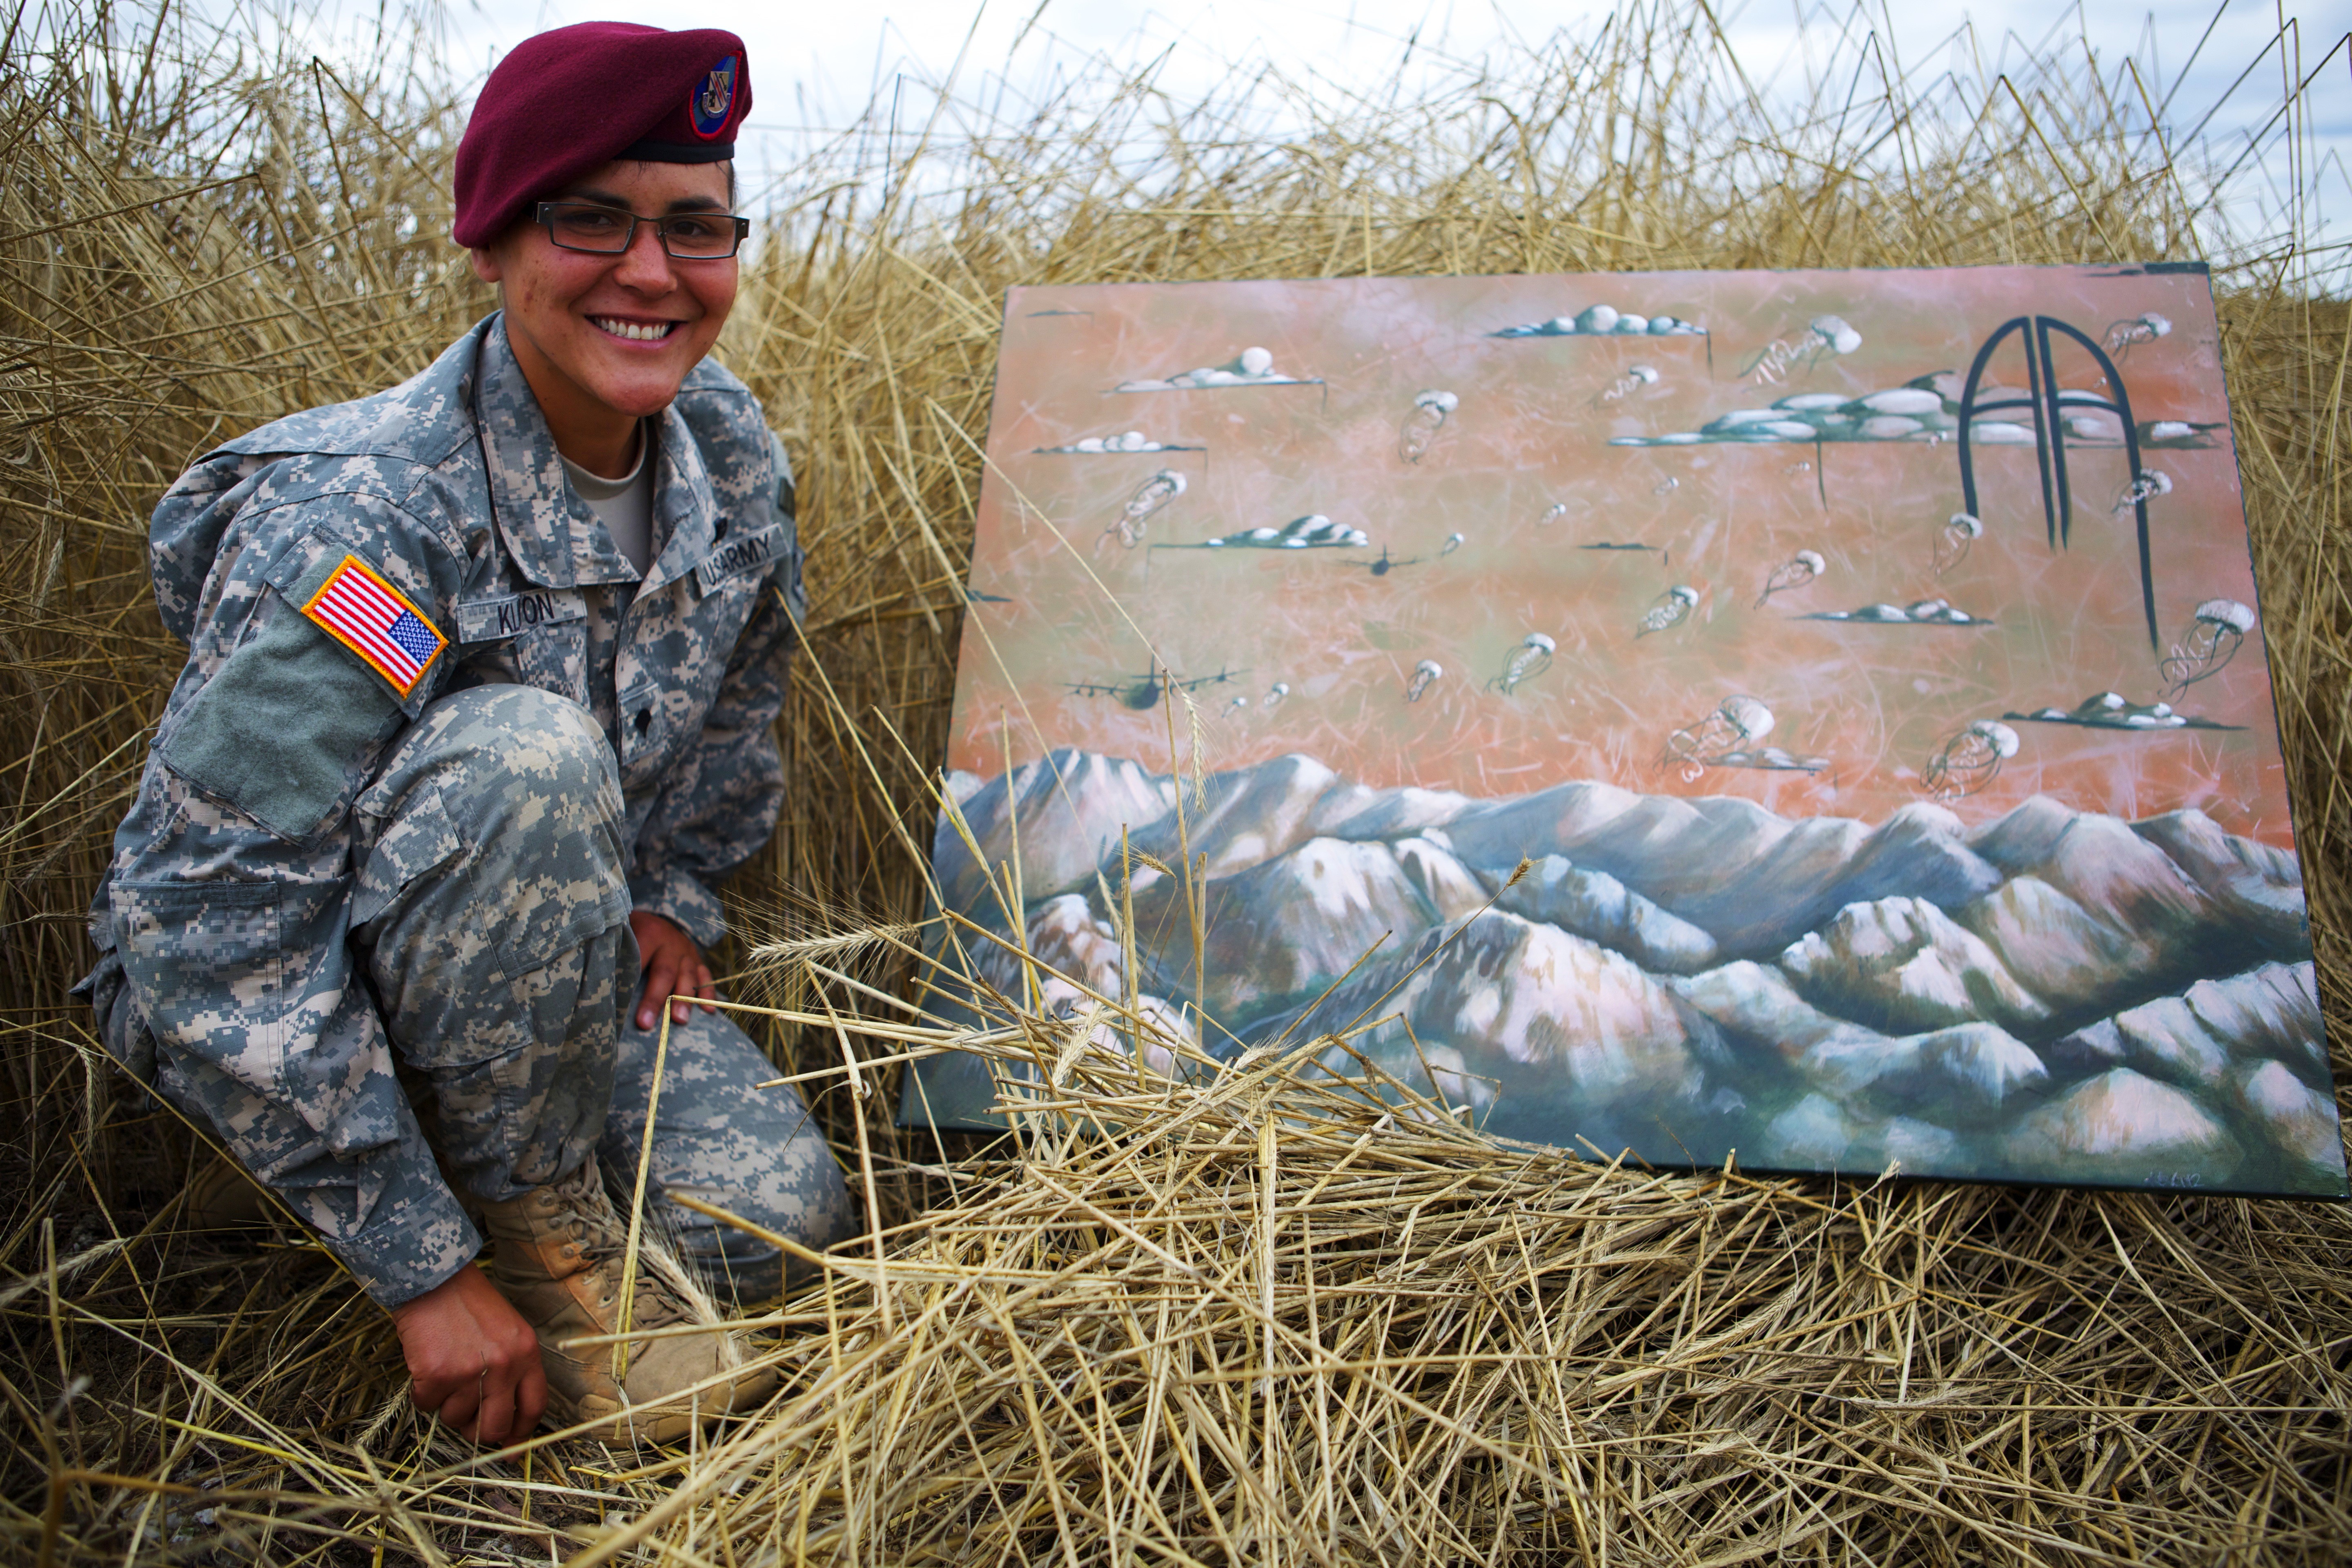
{"x": 684, "y": 504}
{"x": 549, "y": 531}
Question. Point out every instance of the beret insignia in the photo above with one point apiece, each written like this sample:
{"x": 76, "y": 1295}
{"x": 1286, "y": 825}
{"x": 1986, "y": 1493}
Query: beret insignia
{"x": 714, "y": 100}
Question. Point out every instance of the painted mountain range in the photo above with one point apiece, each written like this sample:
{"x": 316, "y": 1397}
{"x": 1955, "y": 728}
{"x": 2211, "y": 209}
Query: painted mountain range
{"x": 2051, "y": 996}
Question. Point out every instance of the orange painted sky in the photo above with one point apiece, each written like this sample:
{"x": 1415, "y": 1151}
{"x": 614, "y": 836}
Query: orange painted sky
{"x": 1877, "y": 702}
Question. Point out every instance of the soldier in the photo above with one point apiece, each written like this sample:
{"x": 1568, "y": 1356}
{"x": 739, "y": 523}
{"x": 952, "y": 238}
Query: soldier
{"x": 477, "y": 711}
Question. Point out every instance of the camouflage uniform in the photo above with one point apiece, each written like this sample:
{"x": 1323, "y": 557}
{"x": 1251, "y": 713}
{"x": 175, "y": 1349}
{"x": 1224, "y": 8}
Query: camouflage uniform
{"x": 327, "y": 882}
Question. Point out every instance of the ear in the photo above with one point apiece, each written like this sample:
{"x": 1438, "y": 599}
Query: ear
{"x": 486, "y": 265}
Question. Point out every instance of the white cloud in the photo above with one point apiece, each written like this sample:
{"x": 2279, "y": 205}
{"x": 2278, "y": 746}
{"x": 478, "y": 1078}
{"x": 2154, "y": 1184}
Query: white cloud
{"x": 816, "y": 68}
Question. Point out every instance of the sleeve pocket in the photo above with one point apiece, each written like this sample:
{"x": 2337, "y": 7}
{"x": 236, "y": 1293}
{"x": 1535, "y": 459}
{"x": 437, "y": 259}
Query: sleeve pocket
{"x": 283, "y": 731}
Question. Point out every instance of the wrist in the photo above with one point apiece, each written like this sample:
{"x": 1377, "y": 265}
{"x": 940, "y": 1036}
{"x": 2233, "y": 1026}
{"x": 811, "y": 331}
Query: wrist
{"x": 424, "y": 1300}
{"x": 460, "y": 1284}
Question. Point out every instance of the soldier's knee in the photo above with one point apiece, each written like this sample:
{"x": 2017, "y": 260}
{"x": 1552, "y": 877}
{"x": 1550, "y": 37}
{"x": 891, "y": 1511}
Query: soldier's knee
{"x": 780, "y": 1178}
{"x": 551, "y": 744}
{"x": 504, "y": 760}
{"x": 494, "y": 828}
{"x": 815, "y": 1211}
{"x": 494, "y": 741}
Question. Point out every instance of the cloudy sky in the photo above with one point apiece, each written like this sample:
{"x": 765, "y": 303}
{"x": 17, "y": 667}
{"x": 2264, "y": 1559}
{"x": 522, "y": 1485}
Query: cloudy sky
{"x": 816, "y": 66}
{"x": 843, "y": 52}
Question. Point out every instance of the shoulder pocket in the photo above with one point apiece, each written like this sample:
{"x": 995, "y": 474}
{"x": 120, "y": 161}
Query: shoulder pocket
{"x": 284, "y": 731}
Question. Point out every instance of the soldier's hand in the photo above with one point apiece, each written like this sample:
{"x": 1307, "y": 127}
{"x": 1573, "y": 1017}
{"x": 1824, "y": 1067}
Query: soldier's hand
{"x": 472, "y": 1359}
{"x": 672, "y": 964}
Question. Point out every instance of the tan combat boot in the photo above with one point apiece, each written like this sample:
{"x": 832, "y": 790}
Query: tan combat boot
{"x": 557, "y": 1256}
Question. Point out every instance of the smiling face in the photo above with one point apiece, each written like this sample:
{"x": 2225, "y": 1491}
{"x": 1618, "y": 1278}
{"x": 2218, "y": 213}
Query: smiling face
{"x": 605, "y": 341}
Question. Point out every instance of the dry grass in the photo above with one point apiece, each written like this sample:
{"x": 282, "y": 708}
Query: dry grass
{"x": 1244, "y": 1318}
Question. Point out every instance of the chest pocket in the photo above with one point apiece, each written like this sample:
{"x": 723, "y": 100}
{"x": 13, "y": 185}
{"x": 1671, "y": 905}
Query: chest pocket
{"x": 649, "y": 731}
{"x": 537, "y": 638}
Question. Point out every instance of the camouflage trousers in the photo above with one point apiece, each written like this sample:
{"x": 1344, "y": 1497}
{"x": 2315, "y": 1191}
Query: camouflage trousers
{"x": 489, "y": 916}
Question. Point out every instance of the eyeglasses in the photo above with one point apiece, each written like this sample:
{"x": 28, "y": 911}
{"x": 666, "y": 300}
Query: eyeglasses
{"x": 605, "y": 231}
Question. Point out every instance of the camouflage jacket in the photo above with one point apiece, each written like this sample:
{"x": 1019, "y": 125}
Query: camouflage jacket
{"x": 449, "y": 489}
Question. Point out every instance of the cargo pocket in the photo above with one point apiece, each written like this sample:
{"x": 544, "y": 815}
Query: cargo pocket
{"x": 419, "y": 837}
{"x": 541, "y": 943}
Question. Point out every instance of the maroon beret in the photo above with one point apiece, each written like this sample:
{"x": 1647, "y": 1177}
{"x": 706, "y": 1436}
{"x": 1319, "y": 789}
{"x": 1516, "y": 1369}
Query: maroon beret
{"x": 576, "y": 98}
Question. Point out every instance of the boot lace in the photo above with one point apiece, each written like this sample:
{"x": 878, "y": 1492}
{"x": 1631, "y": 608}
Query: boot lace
{"x": 603, "y": 1237}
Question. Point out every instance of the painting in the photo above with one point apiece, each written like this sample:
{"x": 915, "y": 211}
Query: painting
{"x": 1816, "y": 721}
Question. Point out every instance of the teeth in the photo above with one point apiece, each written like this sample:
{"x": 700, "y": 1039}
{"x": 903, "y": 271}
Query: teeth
{"x": 636, "y": 332}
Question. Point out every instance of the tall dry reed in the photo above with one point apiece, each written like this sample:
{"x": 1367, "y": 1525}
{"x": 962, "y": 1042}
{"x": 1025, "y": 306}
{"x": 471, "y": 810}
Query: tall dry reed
{"x": 1233, "y": 1318}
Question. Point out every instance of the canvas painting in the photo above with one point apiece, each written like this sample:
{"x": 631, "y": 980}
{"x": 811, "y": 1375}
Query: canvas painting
{"x": 1816, "y": 721}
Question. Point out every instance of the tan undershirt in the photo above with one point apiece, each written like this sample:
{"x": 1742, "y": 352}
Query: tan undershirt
{"x": 625, "y": 505}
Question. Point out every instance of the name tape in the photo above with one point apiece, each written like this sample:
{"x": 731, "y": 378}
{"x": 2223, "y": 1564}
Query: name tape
{"x": 737, "y": 557}
{"x": 511, "y": 614}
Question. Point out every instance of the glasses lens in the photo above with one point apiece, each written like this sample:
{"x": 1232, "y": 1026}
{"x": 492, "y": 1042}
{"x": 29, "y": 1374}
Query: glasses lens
{"x": 589, "y": 229}
{"x": 700, "y": 236}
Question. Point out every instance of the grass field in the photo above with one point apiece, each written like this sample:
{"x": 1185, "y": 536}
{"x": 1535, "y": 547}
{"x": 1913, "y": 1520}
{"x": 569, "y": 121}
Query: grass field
{"x": 1249, "y": 1321}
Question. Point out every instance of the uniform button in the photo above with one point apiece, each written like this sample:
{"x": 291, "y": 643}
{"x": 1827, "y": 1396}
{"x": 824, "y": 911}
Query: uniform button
{"x": 645, "y": 717}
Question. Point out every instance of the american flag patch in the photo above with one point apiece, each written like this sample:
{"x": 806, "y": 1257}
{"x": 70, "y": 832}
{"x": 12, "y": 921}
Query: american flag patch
{"x": 368, "y": 616}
